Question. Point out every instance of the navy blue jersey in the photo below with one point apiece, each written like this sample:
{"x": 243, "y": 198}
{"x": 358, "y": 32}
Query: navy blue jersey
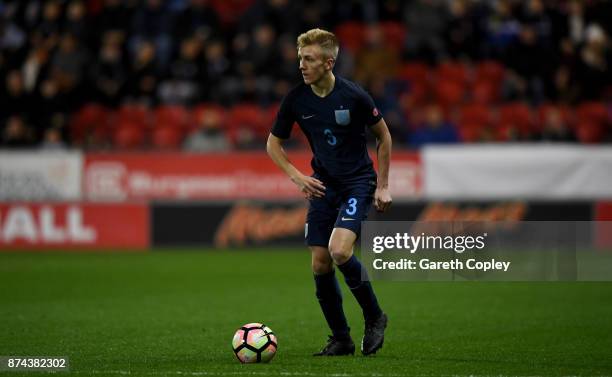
{"x": 335, "y": 127}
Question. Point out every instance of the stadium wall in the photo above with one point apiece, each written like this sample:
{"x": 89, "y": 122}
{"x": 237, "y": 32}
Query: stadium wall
{"x": 139, "y": 201}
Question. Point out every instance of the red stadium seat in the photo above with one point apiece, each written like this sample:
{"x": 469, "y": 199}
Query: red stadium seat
{"x": 449, "y": 93}
{"x": 136, "y": 114}
{"x": 510, "y": 132}
{"x": 470, "y": 133}
{"x": 545, "y": 109}
{"x": 475, "y": 114}
{"x": 91, "y": 118}
{"x": 516, "y": 114}
{"x": 166, "y": 137}
{"x": 592, "y": 112}
{"x": 394, "y": 33}
{"x": 452, "y": 71}
{"x": 171, "y": 115}
{"x": 485, "y": 92}
{"x": 351, "y": 35}
{"x": 206, "y": 109}
{"x": 418, "y": 77}
{"x": 230, "y": 11}
{"x": 589, "y": 133}
{"x": 247, "y": 116}
{"x": 489, "y": 70}
{"x": 414, "y": 72}
{"x": 128, "y": 136}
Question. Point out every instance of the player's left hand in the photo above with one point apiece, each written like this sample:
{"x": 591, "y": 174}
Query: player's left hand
{"x": 382, "y": 199}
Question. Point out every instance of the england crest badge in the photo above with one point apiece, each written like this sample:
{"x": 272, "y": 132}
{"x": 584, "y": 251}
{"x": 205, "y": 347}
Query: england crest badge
{"x": 343, "y": 117}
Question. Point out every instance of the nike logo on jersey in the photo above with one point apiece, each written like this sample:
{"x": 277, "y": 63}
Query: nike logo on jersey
{"x": 307, "y": 116}
{"x": 347, "y": 219}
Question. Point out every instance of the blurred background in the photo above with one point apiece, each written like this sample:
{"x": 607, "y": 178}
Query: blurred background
{"x": 207, "y": 75}
{"x": 153, "y": 104}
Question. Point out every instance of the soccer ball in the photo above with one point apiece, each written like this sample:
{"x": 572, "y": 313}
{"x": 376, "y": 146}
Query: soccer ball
{"x": 254, "y": 343}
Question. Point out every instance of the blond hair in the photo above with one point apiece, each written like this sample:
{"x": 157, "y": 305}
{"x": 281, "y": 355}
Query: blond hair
{"x": 327, "y": 40}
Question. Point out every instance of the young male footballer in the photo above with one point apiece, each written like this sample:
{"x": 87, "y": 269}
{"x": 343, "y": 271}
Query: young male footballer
{"x": 333, "y": 113}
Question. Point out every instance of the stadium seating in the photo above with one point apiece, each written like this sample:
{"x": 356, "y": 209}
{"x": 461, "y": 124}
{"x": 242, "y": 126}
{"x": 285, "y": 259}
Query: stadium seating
{"x": 90, "y": 117}
{"x": 128, "y": 135}
{"x": 167, "y": 136}
{"x": 175, "y": 116}
{"x": 351, "y": 35}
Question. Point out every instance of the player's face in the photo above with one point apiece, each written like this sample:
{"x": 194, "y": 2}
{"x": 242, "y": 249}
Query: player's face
{"x": 313, "y": 63}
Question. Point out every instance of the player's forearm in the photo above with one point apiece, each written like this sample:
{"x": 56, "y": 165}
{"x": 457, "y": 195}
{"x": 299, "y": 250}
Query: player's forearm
{"x": 280, "y": 158}
{"x": 383, "y": 151}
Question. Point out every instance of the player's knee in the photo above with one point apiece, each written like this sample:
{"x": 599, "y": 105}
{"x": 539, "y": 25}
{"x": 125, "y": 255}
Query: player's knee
{"x": 321, "y": 266}
{"x": 339, "y": 254}
{"x": 321, "y": 262}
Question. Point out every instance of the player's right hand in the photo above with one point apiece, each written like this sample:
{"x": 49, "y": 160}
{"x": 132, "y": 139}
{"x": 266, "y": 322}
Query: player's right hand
{"x": 311, "y": 187}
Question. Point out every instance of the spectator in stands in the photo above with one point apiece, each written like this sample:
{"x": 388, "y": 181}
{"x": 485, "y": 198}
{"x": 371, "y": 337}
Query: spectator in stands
{"x": 14, "y": 98}
{"x": 143, "y": 78}
{"x": 17, "y": 134}
{"x": 108, "y": 74}
{"x": 77, "y": 22}
{"x": 50, "y": 26}
{"x": 68, "y": 67}
{"x": 277, "y": 14}
{"x": 153, "y": 22}
{"x": 386, "y": 99}
{"x": 376, "y": 61}
{"x": 535, "y": 15}
{"x": 246, "y": 139}
{"x": 286, "y": 75}
{"x": 216, "y": 67}
{"x": 594, "y": 64}
{"x": 185, "y": 76}
{"x": 389, "y": 10}
{"x": 115, "y": 16}
{"x": 555, "y": 128}
{"x": 459, "y": 34}
{"x": 198, "y": 19}
{"x": 502, "y": 29}
{"x": 574, "y": 23}
{"x": 528, "y": 59}
{"x": 35, "y": 68}
{"x": 426, "y": 37}
{"x": 12, "y": 38}
{"x": 434, "y": 129}
{"x": 208, "y": 136}
{"x": 49, "y": 103}
{"x": 52, "y": 140}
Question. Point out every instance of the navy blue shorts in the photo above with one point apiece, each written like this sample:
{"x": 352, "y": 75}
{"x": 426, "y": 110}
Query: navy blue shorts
{"x": 341, "y": 207}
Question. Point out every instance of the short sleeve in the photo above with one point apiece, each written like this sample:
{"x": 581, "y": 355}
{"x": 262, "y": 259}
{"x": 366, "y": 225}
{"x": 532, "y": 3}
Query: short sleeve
{"x": 371, "y": 113}
{"x": 284, "y": 119}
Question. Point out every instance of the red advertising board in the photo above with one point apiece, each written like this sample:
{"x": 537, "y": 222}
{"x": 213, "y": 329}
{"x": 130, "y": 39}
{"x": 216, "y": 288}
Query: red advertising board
{"x": 74, "y": 226}
{"x": 252, "y": 175}
{"x": 603, "y": 225}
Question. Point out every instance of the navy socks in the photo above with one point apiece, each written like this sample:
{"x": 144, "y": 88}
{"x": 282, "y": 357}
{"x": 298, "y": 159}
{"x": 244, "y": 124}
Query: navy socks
{"x": 361, "y": 287}
{"x": 330, "y": 298}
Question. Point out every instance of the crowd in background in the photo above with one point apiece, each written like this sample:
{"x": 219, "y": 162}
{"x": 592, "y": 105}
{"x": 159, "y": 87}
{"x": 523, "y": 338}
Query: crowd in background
{"x": 57, "y": 56}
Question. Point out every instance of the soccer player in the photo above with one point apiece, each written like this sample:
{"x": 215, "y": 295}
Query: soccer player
{"x": 333, "y": 113}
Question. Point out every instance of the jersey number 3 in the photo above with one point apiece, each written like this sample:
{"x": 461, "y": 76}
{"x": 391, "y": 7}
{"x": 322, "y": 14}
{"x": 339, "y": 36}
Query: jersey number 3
{"x": 331, "y": 139}
{"x": 352, "y": 202}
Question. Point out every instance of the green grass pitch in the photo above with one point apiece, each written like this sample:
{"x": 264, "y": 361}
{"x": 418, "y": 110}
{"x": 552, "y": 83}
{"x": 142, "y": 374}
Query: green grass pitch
{"x": 174, "y": 313}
